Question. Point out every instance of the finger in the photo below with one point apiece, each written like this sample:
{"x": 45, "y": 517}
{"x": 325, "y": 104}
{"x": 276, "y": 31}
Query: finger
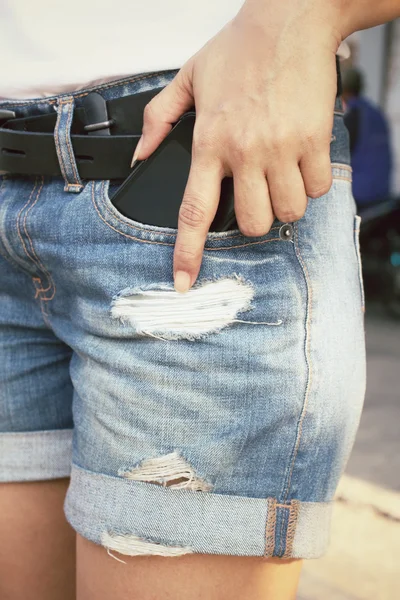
{"x": 199, "y": 205}
{"x": 164, "y": 110}
{"x": 288, "y": 196}
{"x": 252, "y": 202}
{"x": 316, "y": 170}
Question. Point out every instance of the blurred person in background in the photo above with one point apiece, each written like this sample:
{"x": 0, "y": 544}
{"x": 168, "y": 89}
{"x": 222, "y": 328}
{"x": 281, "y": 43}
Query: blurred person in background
{"x": 371, "y": 155}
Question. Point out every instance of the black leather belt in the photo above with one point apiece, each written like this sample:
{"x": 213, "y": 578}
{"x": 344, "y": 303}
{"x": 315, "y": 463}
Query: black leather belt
{"x": 104, "y": 135}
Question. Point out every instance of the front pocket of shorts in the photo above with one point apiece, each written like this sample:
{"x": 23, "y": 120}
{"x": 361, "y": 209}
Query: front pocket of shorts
{"x": 107, "y": 191}
{"x": 137, "y": 231}
{"x": 137, "y": 224}
{"x": 357, "y": 223}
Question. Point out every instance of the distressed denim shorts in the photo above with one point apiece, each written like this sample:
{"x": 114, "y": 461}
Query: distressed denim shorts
{"x": 217, "y": 421}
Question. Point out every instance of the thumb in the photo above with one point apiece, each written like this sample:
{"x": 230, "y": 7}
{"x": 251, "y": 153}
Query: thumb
{"x": 165, "y": 109}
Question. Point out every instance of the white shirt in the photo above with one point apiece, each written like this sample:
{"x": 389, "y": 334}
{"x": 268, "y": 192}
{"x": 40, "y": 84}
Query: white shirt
{"x": 49, "y": 47}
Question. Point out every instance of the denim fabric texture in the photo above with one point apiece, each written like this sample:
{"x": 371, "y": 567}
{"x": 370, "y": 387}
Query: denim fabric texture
{"x": 218, "y": 421}
{"x": 63, "y": 143}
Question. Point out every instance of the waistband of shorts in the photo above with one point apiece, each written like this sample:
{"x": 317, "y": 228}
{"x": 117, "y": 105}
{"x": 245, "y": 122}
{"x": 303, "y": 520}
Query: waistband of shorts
{"x": 119, "y": 88}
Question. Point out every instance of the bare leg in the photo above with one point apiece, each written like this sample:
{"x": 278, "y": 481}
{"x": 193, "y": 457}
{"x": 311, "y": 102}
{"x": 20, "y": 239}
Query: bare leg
{"x": 190, "y": 577}
{"x": 37, "y": 549}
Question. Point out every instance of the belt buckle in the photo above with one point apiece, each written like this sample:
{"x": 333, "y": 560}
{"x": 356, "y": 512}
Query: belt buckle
{"x": 6, "y": 115}
{"x": 96, "y": 113}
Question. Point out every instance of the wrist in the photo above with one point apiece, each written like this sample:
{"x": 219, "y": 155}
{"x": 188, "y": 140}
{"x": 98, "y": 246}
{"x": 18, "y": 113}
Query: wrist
{"x": 354, "y": 15}
{"x": 320, "y": 21}
{"x": 335, "y": 19}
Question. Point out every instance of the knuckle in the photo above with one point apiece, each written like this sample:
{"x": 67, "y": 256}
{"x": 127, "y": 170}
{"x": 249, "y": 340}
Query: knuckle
{"x": 280, "y": 140}
{"x": 243, "y": 149}
{"x": 186, "y": 254}
{"x": 316, "y": 141}
{"x": 290, "y": 215}
{"x": 254, "y": 229}
{"x": 317, "y": 193}
{"x": 203, "y": 143}
{"x": 150, "y": 111}
{"x": 319, "y": 189}
{"x": 207, "y": 132}
{"x": 192, "y": 212}
{"x": 311, "y": 140}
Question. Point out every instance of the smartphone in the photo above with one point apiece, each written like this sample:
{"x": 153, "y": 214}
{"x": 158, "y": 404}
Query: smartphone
{"x": 152, "y": 194}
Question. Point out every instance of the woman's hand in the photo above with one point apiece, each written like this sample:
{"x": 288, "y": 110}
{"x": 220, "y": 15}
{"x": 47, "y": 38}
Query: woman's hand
{"x": 264, "y": 89}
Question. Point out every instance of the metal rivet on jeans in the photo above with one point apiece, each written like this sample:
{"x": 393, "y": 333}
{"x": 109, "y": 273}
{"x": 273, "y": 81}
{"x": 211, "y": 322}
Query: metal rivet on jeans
{"x": 286, "y": 232}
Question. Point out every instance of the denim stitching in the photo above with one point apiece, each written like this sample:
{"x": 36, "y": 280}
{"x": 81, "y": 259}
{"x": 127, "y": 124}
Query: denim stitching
{"x": 130, "y": 225}
{"x": 169, "y": 234}
{"x": 53, "y": 99}
{"x": 242, "y": 245}
{"x": 308, "y": 362}
{"x": 121, "y": 82}
{"x": 50, "y": 100}
{"x": 270, "y": 528}
{"x": 69, "y": 102}
{"x": 54, "y": 289}
{"x": 341, "y": 166}
{"x": 144, "y": 229}
{"x": 280, "y": 549}
{"x": 35, "y": 259}
{"x": 38, "y": 290}
{"x": 146, "y": 241}
{"x": 19, "y": 217}
{"x": 57, "y": 142}
{"x": 120, "y": 232}
{"x": 337, "y": 172}
{"x": 291, "y": 528}
{"x": 69, "y": 146}
{"x": 287, "y": 544}
{"x": 37, "y": 263}
{"x": 335, "y": 177}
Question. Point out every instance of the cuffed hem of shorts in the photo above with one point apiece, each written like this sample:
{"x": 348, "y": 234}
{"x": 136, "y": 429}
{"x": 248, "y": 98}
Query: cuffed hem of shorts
{"x": 36, "y": 455}
{"x": 132, "y": 518}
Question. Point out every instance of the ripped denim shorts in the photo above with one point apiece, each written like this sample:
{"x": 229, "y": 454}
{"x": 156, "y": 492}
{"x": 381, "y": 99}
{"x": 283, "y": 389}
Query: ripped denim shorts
{"x": 215, "y": 422}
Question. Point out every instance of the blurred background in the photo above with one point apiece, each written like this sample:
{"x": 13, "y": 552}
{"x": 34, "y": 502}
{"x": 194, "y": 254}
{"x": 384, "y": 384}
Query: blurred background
{"x": 364, "y": 559}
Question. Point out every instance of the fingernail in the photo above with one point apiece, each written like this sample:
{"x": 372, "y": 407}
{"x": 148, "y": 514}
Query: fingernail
{"x": 182, "y": 282}
{"x": 136, "y": 153}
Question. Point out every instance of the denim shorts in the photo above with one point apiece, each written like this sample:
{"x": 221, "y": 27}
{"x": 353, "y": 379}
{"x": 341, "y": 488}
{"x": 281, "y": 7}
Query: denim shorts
{"x": 217, "y": 421}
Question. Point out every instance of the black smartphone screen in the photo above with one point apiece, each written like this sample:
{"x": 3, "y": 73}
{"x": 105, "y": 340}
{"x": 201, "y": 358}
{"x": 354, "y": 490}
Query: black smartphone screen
{"x": 153, "y": 192}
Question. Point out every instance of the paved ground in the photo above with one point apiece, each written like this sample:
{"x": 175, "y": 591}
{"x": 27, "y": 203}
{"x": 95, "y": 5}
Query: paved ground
{"x": 363, "y": 562}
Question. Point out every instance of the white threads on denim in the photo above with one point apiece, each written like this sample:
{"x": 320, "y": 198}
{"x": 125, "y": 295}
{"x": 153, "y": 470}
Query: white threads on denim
{"x": 163, "y": 313}
{"x": 133, "y": 545}
{"x": 171, "y": 470}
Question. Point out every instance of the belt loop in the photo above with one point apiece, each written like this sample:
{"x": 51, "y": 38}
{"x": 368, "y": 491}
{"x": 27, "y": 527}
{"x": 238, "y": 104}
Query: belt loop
{"x": 62, "y": 139}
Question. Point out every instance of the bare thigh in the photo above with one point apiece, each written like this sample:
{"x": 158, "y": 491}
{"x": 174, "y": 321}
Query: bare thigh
{"x": 37, "y": 550}
{"x": 190, "y": 577}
